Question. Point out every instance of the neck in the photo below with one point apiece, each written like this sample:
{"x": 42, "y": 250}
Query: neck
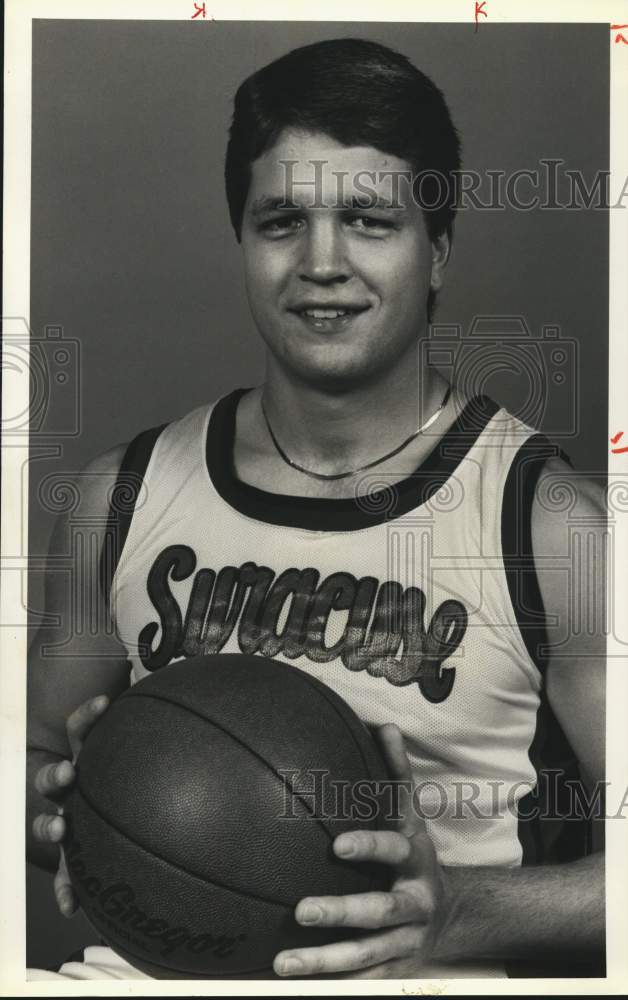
{"x": 331, "y": 432}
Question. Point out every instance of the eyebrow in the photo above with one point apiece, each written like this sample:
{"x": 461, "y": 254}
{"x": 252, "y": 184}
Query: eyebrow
{"x": 369, "y": 202}
{"x": 268, "y": 204}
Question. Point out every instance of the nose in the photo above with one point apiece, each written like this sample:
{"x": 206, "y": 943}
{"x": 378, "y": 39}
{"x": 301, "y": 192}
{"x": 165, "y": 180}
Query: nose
{"x": 324, "y": 258}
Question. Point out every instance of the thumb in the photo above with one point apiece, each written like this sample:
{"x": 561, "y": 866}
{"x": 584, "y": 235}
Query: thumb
{"x": 64, "y": 893}
{"x": 391, "y": 742}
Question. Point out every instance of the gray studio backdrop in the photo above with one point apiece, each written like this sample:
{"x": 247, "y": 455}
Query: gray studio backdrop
{"x": 135, "y": 268}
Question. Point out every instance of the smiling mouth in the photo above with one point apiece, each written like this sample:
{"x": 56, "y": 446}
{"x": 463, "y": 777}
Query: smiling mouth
{"x": 328, "y": 317}
{"x": 328, "y": 313}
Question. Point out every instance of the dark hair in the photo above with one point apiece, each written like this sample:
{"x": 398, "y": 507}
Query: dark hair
{"x": 359, "y": 93}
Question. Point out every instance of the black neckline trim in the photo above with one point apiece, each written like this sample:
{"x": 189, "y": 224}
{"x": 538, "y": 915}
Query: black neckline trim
{"x": 349, "y": 514}
{"x": 517, "y": 548}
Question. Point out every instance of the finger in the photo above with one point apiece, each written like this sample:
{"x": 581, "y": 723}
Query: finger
{"x": 413, "y": 856}
{"x": 385, "y": 846}
{"x": 64, "y": 893}
{"x": 49, "y": 829}
{"x": 53, "y": 779}
{"x": 393, "y": 748}
{"x": 391, "y": 741}
{"x": 345, "y": 956}
{"x": 369, "y": 910}
{"x": 82, "y": 720}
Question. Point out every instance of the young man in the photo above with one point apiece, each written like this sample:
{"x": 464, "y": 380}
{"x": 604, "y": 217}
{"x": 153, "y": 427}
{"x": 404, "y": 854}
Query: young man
{"x": 303, "y": 489}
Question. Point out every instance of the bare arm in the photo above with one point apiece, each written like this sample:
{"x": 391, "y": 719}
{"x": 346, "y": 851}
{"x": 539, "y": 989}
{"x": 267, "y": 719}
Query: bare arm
{"x": 75, "y": 659}
{"x": 527, "y": 913}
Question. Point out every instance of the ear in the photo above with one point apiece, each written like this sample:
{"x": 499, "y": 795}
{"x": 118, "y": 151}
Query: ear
{"x": 441, "y": 248}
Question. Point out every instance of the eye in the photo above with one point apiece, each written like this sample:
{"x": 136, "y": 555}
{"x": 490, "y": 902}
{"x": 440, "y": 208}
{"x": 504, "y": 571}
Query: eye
{"x": 371, "y": 224}
{"x": 281, "y": 225}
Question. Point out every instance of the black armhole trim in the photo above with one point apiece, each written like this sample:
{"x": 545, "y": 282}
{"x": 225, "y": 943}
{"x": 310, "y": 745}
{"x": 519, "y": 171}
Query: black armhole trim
{"x": 516, "y": 536}
{"x": 548, "y": 831}
{"x": 124, "y": 497}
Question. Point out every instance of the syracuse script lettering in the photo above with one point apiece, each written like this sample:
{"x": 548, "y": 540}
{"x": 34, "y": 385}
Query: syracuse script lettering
{"x": 384, "y": 634}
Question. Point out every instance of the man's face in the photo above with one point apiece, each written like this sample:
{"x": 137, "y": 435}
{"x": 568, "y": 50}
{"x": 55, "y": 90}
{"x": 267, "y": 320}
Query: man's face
{"x": 337, "y": 292}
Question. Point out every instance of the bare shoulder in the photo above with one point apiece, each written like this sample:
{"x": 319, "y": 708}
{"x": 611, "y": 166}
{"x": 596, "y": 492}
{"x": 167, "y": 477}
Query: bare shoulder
{"x": 569, "y": 515}
{"x": 88, "y": 494}
{"x": 99, "y": 476}
{"x": 108, "y": 461}
{"x": 566, "y": 499}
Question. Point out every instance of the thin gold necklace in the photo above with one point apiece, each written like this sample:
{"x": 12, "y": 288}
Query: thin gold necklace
{"x": 362, "y": 468}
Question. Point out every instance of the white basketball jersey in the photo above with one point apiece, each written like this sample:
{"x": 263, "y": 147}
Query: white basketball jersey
{"x": 417, "y": 603}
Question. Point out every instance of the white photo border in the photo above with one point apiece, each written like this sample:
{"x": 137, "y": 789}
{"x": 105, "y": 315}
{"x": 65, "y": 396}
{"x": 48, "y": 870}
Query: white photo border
{"x": 19, "y": 15}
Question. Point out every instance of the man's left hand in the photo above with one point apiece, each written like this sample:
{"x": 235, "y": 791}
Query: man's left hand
{"x": 404, "y": 923}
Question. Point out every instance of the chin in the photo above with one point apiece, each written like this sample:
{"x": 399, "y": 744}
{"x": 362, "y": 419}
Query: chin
{"x": 336, "y": 379}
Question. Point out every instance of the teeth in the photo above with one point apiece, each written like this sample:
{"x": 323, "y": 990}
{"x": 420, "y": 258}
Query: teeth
{"x": 326, "y": 313}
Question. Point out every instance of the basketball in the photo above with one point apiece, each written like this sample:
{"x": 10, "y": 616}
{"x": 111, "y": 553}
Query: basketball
{"x": 205, "y": 806}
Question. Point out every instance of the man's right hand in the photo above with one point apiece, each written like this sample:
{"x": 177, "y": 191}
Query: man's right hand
{"x": 53, "y": 781}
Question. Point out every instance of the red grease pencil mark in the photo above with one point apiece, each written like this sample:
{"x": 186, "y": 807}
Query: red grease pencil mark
{"x": 479, "y": 9}
{"x": 619, "y": 37}
{"x": 199, "y": 10}
{"x": 614, "y": 440}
